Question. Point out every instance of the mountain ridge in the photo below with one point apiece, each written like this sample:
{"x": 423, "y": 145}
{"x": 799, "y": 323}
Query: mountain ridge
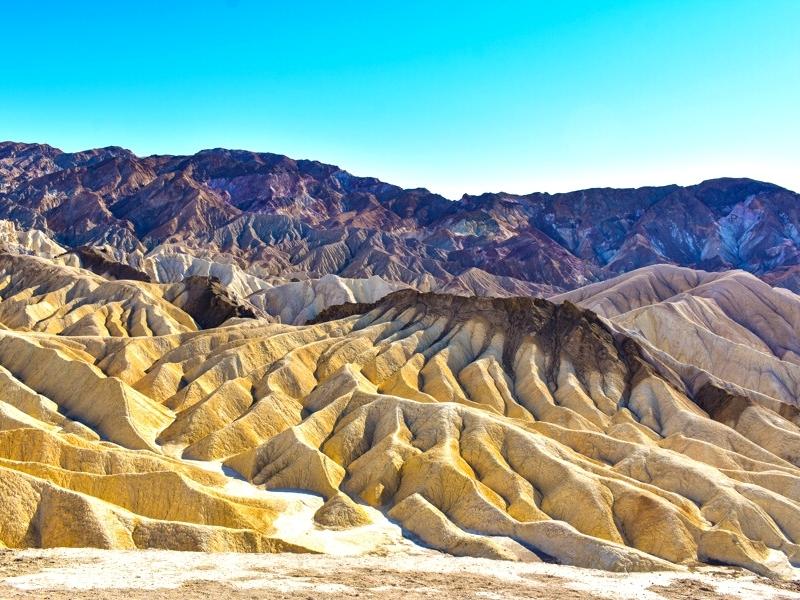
{"x": 276, "y": 216}
{"x": 110, "y": 151}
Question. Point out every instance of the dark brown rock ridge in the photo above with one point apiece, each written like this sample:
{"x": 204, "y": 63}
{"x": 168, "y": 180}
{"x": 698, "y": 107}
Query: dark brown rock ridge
{"x": 562, "y": 329}
{"x": 207, "y": 301}
{"x": 567, "y": 330}
{"x": 96, "y": 260}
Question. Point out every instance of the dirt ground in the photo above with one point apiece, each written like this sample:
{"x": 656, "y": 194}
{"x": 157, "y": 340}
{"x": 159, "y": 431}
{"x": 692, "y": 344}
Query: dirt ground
{"x": 130, "y": 575}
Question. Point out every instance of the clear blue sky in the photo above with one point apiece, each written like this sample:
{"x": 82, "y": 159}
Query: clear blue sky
{"x": 454, "y": 96}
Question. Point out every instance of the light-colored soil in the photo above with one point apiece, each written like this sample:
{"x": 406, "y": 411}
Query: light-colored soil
{"x": 57, "y": 574}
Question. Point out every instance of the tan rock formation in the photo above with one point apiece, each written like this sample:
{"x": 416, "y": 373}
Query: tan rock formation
{"x": 27, "y": 241}
{"x": 514, "y": 428}
{"x": 40, "y": 295}
{"x": 731, "y": 326}
{"x": 340, "y": 512}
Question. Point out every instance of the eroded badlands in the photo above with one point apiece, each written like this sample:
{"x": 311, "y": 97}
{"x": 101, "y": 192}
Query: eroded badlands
{"x": 515, "y": 429}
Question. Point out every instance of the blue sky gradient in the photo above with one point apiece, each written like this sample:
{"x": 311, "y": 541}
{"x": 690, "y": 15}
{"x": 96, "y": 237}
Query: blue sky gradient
{"x": 454, "y": 96}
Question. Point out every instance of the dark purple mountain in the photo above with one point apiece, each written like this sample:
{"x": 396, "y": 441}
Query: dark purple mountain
{"x": 299, "y": 216}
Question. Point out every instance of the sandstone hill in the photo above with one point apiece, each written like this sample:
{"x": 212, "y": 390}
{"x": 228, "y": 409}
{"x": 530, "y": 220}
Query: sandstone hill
{"x": 729, "y": 325}
{"x": 508, "y": 428}
{"x": 27, "y": 241}
{"x": 40, "y": 295}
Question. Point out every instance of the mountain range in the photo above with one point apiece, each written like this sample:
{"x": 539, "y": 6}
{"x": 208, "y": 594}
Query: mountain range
{"x": 278, "y": 217}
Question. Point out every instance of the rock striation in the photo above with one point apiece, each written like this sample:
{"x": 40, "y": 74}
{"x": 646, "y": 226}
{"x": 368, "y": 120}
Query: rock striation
{"x": 515, "y": 428}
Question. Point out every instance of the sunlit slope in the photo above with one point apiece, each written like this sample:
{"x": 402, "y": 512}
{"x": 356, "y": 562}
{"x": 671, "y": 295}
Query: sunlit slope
{"x": 504, "y": 428}
{"x": 731, "y": 325}
{"x": 27, "y": 241}
{"x": 40, "y": 295}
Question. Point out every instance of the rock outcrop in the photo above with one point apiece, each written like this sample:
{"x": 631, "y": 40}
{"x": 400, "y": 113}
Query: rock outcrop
{"x": 298, "y": 302}
{"x": 208, "y": 302}
{"x": 102, "y": 262}
{"x": 41, "y": 295}
{"x": 27, "y": 241}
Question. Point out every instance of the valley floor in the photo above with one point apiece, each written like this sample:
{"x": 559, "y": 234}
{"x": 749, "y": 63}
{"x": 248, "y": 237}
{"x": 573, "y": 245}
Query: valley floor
{"x": 88, "y": 573}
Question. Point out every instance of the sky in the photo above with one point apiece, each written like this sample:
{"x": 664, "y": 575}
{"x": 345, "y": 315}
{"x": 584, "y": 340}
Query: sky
{"x": 459, "y": 97}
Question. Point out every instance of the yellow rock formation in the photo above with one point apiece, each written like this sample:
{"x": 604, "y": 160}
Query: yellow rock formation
{"x": 514, "y": 429}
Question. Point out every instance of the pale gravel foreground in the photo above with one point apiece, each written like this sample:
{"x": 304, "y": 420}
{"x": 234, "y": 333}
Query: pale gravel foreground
{"x": 115, "y": 574}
